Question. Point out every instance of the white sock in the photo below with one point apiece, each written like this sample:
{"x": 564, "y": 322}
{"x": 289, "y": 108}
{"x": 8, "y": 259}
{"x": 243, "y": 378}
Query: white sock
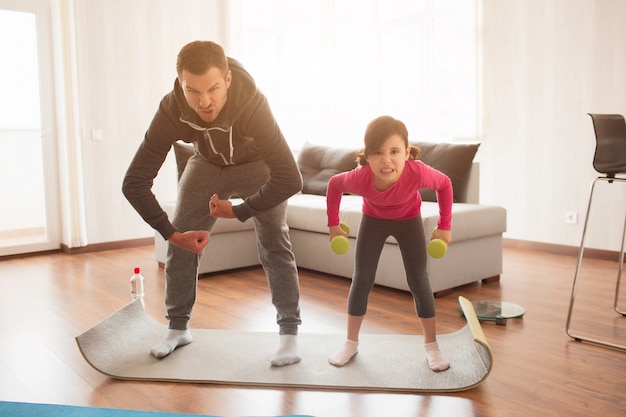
{"x": 436, "y": 360}
{"x": 349, "y": 349}
{"x": 173, "y": 339}
{"x": 287, "y": 353}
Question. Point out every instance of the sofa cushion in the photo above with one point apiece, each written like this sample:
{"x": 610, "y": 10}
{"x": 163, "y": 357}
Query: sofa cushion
{"x": 454, "y": 160}
{"x": 469, "y": 221}
{"x": 319, "y": 163}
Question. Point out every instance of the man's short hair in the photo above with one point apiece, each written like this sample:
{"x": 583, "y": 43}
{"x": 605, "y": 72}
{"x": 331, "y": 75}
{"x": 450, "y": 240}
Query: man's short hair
{"x": 199, "y": 56}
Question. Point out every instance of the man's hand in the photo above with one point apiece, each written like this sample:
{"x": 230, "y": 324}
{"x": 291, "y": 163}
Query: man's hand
{"x": 221, "y": 208}
{"x": 192, "y": 241}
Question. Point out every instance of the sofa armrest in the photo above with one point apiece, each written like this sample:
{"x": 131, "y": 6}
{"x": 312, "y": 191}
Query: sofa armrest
{"x": 473, "y": 185}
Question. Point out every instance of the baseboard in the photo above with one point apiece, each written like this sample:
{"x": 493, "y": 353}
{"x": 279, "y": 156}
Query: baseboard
{"x": 560, "y": 249}
{"x": 98, "y": 247}
{"x": 506, "y": 242}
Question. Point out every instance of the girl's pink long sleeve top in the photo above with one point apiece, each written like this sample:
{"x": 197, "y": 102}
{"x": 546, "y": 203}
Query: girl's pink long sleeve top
{"x": 401, "y": 201}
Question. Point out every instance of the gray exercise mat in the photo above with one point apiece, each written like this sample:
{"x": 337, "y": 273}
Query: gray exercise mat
{"x": 119, "y": 346}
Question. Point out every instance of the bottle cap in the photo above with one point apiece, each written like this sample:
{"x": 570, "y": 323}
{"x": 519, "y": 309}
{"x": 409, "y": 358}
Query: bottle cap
{"x": 137, "y": 270}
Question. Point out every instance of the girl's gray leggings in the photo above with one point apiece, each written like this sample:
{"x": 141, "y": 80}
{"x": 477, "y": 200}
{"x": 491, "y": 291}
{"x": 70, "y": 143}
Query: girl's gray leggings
{"x": 411, "y": 239}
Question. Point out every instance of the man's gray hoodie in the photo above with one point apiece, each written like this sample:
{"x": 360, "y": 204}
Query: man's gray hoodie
{"x": 244, "y": 131}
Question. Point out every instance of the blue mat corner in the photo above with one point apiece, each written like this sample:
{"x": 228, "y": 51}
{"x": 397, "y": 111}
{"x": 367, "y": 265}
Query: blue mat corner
{"x": 20, "y": 409}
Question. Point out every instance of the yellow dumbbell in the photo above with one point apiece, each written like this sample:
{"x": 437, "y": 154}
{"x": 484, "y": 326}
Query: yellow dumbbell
{"x": 341, "y": 244}
{"x": 437, "y": 248}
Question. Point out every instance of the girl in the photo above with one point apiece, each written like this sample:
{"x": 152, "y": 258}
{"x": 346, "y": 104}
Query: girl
{"x": 389, "y": 180}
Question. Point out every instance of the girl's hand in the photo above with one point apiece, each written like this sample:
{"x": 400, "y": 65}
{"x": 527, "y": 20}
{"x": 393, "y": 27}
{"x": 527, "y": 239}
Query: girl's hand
{"x": 334, "y": 231}
{"x": 445, "y": 235}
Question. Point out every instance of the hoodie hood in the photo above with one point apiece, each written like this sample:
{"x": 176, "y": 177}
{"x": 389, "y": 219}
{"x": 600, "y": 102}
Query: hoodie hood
{"x": 229, "y": 139}
{"x": 245, "y": 131}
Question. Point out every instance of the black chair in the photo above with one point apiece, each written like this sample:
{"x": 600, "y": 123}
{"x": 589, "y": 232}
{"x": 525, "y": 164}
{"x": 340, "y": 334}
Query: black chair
{"x": 609, "y": 160}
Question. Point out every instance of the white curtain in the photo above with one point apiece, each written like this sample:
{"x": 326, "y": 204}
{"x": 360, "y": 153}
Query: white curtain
{"x": 68, "y": 130}
{"x": 328, "y": 67}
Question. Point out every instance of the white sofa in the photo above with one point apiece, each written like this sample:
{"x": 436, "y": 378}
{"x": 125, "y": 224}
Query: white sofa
{"x": 475, "y": 254}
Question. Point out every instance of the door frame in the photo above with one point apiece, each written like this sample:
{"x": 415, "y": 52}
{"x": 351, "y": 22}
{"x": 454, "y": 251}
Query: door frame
{"x": 49, "y": 140}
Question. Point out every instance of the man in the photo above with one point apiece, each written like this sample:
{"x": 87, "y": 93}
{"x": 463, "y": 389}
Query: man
{"x": 239, "y": 151}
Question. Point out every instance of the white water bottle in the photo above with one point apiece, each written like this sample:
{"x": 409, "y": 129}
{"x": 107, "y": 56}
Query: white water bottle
{"x": 136, "y": 286}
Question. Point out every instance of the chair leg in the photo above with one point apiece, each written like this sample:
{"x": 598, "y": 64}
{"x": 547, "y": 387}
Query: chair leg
{"x": 579, "y": 261}
{"x": 619, "y": 274}
{"x": 581, "y": 250}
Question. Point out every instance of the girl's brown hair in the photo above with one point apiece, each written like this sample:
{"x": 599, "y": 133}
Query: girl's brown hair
{"x": 378, "y": 131}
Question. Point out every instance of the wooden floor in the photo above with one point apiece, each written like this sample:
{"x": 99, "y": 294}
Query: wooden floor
{"x": 45, "y": 301}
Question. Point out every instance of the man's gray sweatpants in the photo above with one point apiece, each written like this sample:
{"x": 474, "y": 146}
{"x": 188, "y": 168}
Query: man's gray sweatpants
{"x": 198, "y": 183}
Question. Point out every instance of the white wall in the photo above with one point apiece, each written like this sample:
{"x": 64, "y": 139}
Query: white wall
{"x": 126, "y": 53}
{"x": 546, "y": 63}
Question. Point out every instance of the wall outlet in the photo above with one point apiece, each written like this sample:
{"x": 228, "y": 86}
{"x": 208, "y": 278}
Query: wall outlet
{"x": 571, "y": 217}
{"x": 97, "y": 134}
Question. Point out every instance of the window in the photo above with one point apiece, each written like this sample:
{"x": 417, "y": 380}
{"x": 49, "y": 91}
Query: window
{"x": 28, "y": 162}
{"x": 329, "y": 67}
